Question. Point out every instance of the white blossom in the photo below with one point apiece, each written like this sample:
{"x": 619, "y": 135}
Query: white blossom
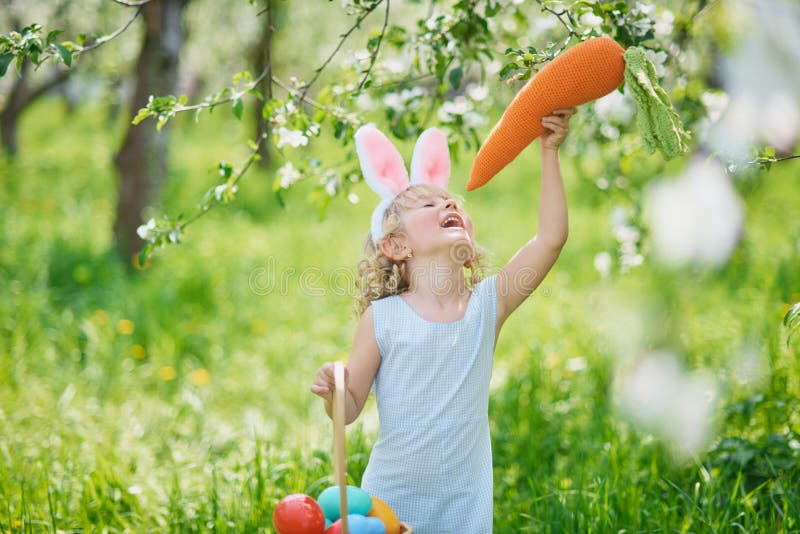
{"x": 145, "y": 229}
{"x": 395, "y": 65}
{"x": 288, "y": 175}
{"x": 661, "y": 397}
{"x": 615, "y": 107}
{"x": 695, "y": 219}
{"x": 450, "y": 109}
{"x": 664, "y": 24}
{"x": 602, "y": 263}
{"x": 330, "y": 187}
{"x": 658, "y": 59}
{"x": 477, "y": 92}
{"x": 393, "y": 101}
{"x": 473, "y": 119}
{"x": 764, "y": 89}
{"x": 294, "y": 138}
{"x": 590, "y": 20}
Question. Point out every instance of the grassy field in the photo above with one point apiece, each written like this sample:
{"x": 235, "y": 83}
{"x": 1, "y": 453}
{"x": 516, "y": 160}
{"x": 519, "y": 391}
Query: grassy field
{"x": 176, "y": 399}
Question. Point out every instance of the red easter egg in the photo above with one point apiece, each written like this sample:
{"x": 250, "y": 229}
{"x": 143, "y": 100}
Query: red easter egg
{"x": 335, "y": 528}
{"x": 298, "y": 514}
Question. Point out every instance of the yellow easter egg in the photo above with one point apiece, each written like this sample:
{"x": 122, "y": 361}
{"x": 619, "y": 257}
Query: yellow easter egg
{"x": 382, "y": 511}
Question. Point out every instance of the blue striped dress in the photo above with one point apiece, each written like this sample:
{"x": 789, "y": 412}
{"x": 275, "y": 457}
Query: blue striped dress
{"x": 432, "y": 462}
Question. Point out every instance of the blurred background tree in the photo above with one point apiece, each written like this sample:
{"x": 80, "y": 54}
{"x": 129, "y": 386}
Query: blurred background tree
{"x": 410, "y": 65}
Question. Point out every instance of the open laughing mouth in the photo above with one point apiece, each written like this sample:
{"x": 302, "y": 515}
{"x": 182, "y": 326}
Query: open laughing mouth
{"x": 453, "y": 220}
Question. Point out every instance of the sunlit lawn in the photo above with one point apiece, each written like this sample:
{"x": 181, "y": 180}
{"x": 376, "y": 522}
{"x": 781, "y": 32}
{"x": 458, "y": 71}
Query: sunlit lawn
{"x": 176, "y": 398}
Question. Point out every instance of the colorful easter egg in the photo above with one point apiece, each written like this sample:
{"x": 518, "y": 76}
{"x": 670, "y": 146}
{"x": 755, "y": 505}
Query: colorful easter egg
{"x": 386, "y": 515}
{"x": 298, "y": 514}
{"x": 374, "y": 525}
{"x": 358, "y": 502}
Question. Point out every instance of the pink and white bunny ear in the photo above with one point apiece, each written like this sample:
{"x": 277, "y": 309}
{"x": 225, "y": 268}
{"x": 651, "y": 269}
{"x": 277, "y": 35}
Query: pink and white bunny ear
{"x": 381, "y": 163}
{"x": 430, "y": 163}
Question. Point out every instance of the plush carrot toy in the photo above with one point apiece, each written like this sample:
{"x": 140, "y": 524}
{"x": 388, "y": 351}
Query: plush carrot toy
{"x": 585, "y": 72}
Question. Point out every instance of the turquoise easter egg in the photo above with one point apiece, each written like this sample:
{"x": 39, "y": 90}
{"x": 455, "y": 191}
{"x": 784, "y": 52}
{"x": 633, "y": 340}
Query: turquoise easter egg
{"x": 358, "y": 502}
{"x": 329, "y": 502}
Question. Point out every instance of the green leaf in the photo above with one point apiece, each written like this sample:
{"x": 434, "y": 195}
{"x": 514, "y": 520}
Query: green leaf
{"x": 455, "y": 77}
{"x": 5, "y": 59}
{"x": 792, "y": 316}
{"x": 507, "y": 70}
{"x": 52, "y": 36}
{"x": 243, "y": 75}
{"x": 238, "y": 107}
{"x": 141, "y": 115}
{"x": 64, "y": 54}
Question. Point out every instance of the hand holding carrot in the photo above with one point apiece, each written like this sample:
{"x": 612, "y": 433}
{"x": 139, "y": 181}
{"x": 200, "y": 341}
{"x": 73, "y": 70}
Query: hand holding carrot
{"x": 556, "y": 128}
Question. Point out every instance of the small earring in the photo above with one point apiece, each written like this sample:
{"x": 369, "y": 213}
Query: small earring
{"x": 410, "y": 255}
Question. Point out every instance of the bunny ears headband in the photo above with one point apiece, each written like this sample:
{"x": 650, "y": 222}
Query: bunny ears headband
{"x": 385, "y": 172}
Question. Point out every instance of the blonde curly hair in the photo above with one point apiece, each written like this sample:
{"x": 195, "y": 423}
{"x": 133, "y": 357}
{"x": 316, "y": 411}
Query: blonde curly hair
{"x": 380, "y": 276}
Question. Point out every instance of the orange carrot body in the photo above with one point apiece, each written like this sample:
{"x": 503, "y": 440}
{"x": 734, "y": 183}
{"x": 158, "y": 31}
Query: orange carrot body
{"x": 586, "y": 71}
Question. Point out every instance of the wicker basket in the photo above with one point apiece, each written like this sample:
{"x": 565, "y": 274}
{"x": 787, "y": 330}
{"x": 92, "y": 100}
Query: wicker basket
{"x": 339, "y": 464}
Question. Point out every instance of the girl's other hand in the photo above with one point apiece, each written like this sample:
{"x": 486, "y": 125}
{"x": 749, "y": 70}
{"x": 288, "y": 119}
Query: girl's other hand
{"x": 556, "y": 128}
{"x": 325, "y": 382}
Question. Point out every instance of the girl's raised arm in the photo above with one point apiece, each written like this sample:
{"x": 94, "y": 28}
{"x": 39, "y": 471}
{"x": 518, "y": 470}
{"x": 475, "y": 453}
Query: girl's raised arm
{"x": 526, "y": 270}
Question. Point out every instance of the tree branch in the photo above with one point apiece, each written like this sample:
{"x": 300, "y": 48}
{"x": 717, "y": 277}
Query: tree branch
{"x": 106, "y": 38}
{"x": 344, "y": 37}
{"x": 234, "y": 95}
{"x": 132, "y": 3}
{"x": 559, "y": 15}
{"x": 254, "y": 156}
{"x": 374, "y": 55}
{"x": 772, "y": 160}
{"x": 302, "y": 98}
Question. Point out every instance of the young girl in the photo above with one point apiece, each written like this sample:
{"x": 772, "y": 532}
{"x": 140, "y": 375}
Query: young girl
{"x": 426, "y": 336}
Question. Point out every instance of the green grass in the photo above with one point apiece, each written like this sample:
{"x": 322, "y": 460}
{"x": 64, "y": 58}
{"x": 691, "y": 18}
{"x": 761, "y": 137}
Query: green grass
{"x": 176, "y": 399}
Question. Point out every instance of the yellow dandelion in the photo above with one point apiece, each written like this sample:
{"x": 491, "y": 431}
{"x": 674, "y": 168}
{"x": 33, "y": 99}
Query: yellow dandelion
{"x": 200, "y": 377}
{"x": 140, "y": 266}
{"x": 100, "y": 317}
{"x": 565, "y": 483}
{"x": 551, "y": 360}
{"x": 258, "y": 327}
{"x": 167, "y": 373}
{"x": 125, "y": 327}
{"x": 138, "y": 352}
{"x": 16, "y": 523}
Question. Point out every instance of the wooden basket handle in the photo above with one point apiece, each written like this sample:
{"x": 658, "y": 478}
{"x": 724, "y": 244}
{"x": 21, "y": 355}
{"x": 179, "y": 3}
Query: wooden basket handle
{"x": 339, "y": 458}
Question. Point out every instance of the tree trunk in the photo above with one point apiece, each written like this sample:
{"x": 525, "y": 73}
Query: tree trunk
{"x": 21, "y": 97}
{"x": 263, "y": 60}
{"x": 142, "y": 159}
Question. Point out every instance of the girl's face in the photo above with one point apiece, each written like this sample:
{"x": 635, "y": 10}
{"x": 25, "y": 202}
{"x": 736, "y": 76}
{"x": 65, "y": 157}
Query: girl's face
{"x": 434, "y": 223}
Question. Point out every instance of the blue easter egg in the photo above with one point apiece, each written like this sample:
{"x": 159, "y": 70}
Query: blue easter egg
{"x": 375, "y": 526}
{"x": 357, "y": 524}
